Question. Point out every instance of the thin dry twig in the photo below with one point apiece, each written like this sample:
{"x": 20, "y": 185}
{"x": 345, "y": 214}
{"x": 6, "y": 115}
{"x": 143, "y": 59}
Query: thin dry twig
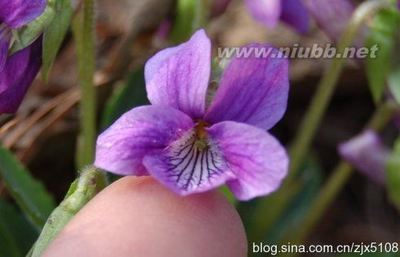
{"x": 27, "y": 124}
{"x": 57, "y": 114}
{"x": 9, "y": 125}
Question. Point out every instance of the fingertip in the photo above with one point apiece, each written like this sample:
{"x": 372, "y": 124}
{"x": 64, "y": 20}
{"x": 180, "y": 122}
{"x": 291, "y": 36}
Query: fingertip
{"x": 139, "y": 217}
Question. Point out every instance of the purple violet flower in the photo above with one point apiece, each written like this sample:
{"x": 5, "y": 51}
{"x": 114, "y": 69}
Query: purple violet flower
{"x": 190, "y": 148}
{"x": 332, "y": 16}
{"x": 270, "y": 12}
{"x": 18, "y": 70}
{"x": 368, "y": 154}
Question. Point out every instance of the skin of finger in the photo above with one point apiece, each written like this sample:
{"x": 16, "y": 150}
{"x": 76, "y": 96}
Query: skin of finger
{"x": 139, "y": 217}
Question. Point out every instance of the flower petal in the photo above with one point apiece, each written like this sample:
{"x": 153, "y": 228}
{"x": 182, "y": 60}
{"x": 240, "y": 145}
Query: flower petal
{"x": 186, "y": 167}
{"x": 121, "y": 148}
{"x": 179, "y": 76}
{"x": 257, "y": 159}
{"x": 367, "y": 153}
{"x": 331, "y": 15}
{"x": 295, "y": 14}
{"x": 17, "y": 13}
{"x": 253, "y": 89}
{"x": 17, "y": 75}
{"x": 267, "y": 12}
{"x": 5, "y": 38}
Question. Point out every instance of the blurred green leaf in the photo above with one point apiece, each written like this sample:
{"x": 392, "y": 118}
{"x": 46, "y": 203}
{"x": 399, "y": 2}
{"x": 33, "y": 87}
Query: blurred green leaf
{"x": 190, "y": 16}
{"x": 55, "y": 33}
{"x": 33, "y": 30}
{"x": 16, "y": 234}
{"x": 29, "y": 194}
{"x": 383, "y": 34}
{"x": 260, "y": 216}
{"x": 301, "y": 203}
{"x": 124, "y": 98}
{"x": 393, "y": 175}
{"x": 394, "y": 76}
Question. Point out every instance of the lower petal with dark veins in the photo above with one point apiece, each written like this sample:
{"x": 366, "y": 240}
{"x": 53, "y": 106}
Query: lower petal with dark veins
{"x": 189, "y": 165}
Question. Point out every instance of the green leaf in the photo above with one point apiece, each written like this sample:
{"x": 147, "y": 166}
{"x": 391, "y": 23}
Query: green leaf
{"x": 55, "y": 34}
{"x": 33, "y": 30}
{"x": 124, "y": 98}
{"x": 191, "y": 15}
{"x": 29, "y": 194}
{"x": 16, "y": 234}
{"x": 393, "y": 175}
{"x": 383, "y": 34}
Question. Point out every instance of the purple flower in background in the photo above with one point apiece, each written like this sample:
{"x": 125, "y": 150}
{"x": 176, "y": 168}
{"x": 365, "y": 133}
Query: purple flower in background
{"x": 270, "y": 12}
{"x": 367, "y": 153}
{"x": 18, "y": 70}
{"x": 218, "y": 7}
{"x": 190, "y": 148}
{"x": 332, "y": 16}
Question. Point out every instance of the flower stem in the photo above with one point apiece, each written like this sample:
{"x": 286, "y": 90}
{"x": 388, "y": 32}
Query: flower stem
{"x": 83, "y": 28}
{"x": 191, "y": 15}
{"x": 313, "y": 117}
{"x": 326, "y": 87}
{"x": 338, "y": 179}
{"x": 80, "y": 192}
